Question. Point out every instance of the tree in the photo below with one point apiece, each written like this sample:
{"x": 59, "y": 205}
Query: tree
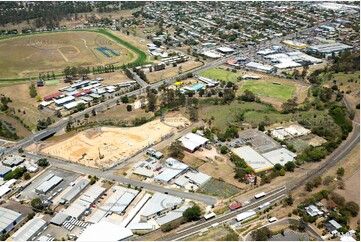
{"x": 193, "y": 114}
{"x": 277, "y": 167}
{"x": 27, "y": 176}
{"x": 32, "y": 90}
{"x": 261, "y": 126}
{"x": 125, "y": 99}
{"x": 327, "y": 180}
{"x": 282, "y": 172}
{"x": 176, "y": 150}
{"x": 290, "y": 105}
{"x": 37, "y": 204}
{"x": 193, "y": 213}
{"x": 57, "y": 114}
{"x": 262, "y": 234}
{"x": 129, "y": 107}
{"x": 290, "y": 166}
{"x": 15, "y": 174}
{"x": 353, "y": 208}
{"x": 224, "y": 150}
{"x": 340, "y": 172}
{"x": 80, "y": 107}
{"x": 43, "y": 162}
{"x": 152, "y": 101}
{"x": 289, "y": 200}
{"x": 248, "y": 96}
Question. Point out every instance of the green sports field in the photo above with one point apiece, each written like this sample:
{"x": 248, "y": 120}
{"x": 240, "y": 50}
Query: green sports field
{"x": 268, "y": 89}
{"x": 52, "y": 82}
{"x": 219, "y": 74}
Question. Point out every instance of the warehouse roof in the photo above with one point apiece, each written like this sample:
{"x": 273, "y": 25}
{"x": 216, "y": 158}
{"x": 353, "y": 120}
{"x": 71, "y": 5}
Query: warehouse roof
{"x": 330, "y": 48}
{"x": 75, "y": 190}
{"x": 3, "y": 190}
{"x": 199, "y": 178}
{"x": 225, "y": 49}
{"x": 59, "y": 218}
{"x": 4, "y": 169}
{"x": 71, "y": 105}
{"x": 120, "y": 199}
{"x": 259, "y": 66}
{"x": 191, "y": 141}
{"x": 246, "y": 215}
{"x": 49, "y": 183}
{"x": 92, "y": 193}
{"x": 280, "y": 156}
{"x": 31, "y": 228}
{"x": 132, "y": 213}
{"x": 160, "y": 202}
{"x": 140, "y": 226}
{"x": 64, "y": 100}
{"x": 174, "y": 168}
{"x": 13, "y": 161}
{"x": 105, "y": 231}
{"x": 7, "y": 217}
{"x": 51, "y": 96}
{"x": 143, "y": 172}
{"x": 172, "y": 215}
{"x": 253, "y": 159}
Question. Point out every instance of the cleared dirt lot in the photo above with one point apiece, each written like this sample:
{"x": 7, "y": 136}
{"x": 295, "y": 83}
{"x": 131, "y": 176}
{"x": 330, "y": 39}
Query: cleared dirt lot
{"x": 104, "y": 146}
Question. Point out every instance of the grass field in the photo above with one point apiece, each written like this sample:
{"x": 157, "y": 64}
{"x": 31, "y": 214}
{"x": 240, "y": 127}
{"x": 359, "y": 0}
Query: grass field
{"x": 219, "y": 74}
{"x": 223, "y": 114}
{"x": 36, "y": 53}
{"x": 52, "y": 82}
{"x": 268, "y": 89}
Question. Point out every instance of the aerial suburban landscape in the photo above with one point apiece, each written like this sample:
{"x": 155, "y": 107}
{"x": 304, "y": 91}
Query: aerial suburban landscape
{"x": 180, "y": 120}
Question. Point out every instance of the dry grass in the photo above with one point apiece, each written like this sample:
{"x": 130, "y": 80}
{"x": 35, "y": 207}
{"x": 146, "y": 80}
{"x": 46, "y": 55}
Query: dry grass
{"x": 171, "y": 71}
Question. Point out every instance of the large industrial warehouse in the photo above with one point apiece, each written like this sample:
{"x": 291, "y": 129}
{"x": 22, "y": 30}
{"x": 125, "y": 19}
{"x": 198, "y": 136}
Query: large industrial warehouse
{"x": 8, "y": 219}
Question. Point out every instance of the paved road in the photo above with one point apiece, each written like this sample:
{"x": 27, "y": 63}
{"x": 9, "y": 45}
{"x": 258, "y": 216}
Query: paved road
{"x": 140, "y": 81}
{"x": 110, "y": 176}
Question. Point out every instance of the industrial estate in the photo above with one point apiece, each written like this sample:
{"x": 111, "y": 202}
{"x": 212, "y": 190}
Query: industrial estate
{"x": 219, "y": 121}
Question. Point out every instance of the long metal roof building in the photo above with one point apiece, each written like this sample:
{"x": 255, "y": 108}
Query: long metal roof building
{"x": 30, "y": 230}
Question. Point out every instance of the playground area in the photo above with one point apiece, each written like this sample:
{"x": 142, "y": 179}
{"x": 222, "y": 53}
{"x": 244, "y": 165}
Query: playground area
{"x": 104, "y": 146}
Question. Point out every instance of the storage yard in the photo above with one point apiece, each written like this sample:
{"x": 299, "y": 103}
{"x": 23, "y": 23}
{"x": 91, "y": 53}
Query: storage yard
{"x": 102, "y": 147}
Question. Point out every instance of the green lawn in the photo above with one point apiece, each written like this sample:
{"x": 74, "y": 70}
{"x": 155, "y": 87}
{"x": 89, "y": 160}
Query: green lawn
{"x": 268, "y": 89}
{"x": 52, "y": 82}
{"x": 219, "y": 74}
